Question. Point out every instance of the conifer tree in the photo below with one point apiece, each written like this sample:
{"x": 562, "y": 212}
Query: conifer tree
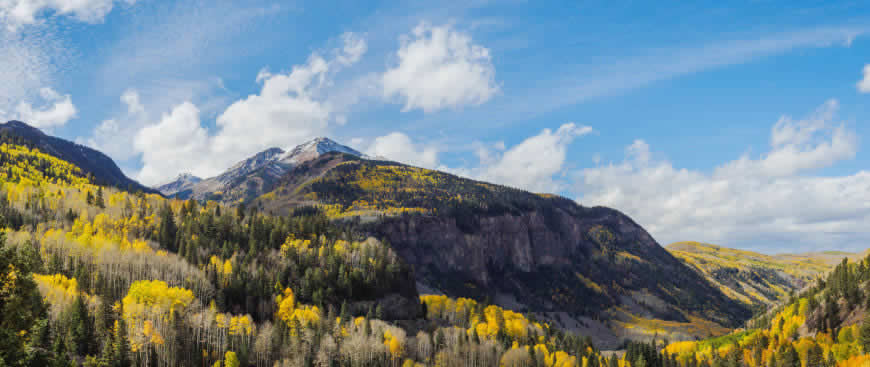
{"x": 864, "y": 334}
{"x": 98, "y": 201}
{"x": 168, "y": 229}
{"x": 80, "y": 326}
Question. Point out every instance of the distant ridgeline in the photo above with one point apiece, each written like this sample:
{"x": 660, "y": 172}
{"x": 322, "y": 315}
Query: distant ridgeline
{"x": 752, "y": 278}
{"x": 825, "y": 325}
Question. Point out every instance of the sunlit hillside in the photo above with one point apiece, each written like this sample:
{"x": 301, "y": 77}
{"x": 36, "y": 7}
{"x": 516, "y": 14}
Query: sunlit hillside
{"x": 825, "y": 325}
{"x": 601, "y": 272}
{"x": 101, "y": 277}
{"x": 754, "y": 278}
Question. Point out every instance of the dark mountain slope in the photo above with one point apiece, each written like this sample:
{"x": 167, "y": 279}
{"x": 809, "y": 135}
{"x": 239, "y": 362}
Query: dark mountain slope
{"x": 103, "y": 169}
{"x": 525, "y": 251}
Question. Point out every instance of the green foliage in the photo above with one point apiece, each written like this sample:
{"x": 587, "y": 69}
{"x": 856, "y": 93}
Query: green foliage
{"x": 21, "y": 307}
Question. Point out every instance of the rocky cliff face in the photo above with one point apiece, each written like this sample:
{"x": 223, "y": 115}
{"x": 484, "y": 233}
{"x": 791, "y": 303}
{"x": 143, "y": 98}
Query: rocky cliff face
{"x": 585, "y": 263}
{"x": 592, "y": 268}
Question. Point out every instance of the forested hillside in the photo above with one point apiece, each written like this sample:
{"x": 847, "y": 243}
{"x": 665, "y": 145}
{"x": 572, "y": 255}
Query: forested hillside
{"x": 325, "y": 269}
{"x": 755, "y": 279}
{"x": 592, "y": 270}
{"x": 94, "y": 164}
{"x": 91, "y": 275}
{"x": 826, "y": 325}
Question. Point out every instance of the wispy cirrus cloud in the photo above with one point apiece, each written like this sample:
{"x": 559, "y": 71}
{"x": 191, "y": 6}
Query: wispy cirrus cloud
{"x": 29, "y": 66}
{"x": 643, "y": 68}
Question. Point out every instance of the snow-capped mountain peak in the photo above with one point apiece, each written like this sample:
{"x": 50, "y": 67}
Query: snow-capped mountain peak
{"x": 254, "y": 174}
{"x": 182, "y": 182}
{"x": 313, "y": 149}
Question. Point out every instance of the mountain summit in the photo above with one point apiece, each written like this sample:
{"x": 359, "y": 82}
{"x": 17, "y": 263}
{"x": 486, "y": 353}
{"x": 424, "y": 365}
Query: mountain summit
{"x": 255, "y": 175}
{"x": 315, "y": 148}
{"x": 181, "y": 183}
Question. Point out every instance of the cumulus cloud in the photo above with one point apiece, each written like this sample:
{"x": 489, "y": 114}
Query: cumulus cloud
{"x": 534, "y": 163}
{"x": 772, "y": 202}
{"x": 798, "y": 146}
{"x": 439, "y": 67}
{"x": 174, "y": 144}
{"x": 864, "y": 84}
{"x": 290, "y": 108}
{"x": 55, "y": 110}
{"x": 16, "y": 13}
{"x": 399, "y": 147}
{"x": 115, "y": 136}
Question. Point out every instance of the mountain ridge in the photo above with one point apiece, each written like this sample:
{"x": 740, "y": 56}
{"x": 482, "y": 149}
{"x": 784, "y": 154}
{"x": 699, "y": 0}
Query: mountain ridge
{"x": 756, "y": 279}
{"x": 593, "y": 268}
{"x": 254, "y": 175}
{"x": 91, "y": 161}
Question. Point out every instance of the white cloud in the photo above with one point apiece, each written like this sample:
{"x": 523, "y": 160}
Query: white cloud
{"x": 533, "y": 163}
{"x": 15, "y": 13}
{"x": 290, "y": 108}
{"x": 798, "y": 146}
{"x": 115, "y": 136}
{"x": 354, "y": 48}
{"x": 398, "y": 147}
{"x": 438, "y": 68}
{"x": 131, "y": 99}
{"x": 56, "y": 110}
{"x": 28, "y": 63}
{"x": 175, "y": 144}
{"x": 641, "y": 68}
{"x": 864, "y": 84}
{"x": 772, "y": 202}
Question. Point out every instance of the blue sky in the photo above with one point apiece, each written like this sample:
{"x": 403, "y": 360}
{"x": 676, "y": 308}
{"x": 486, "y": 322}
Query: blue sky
{"x": 740, "y": 124}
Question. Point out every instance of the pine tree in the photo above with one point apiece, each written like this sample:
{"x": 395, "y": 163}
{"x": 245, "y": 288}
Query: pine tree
{"x": 120, "y": 345}
{"x": 80, "y": 326}
{"x": 21, "y": 304}
{"x": 815, "y": 356}
{"x": 368, "y": 324}
{"x": 99, "y": 199}
{"x": 168, "y": 229}
{"x": 789, "y": 356}
{"x": 344, "y": 315}
{"x": 864, "y": 335}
